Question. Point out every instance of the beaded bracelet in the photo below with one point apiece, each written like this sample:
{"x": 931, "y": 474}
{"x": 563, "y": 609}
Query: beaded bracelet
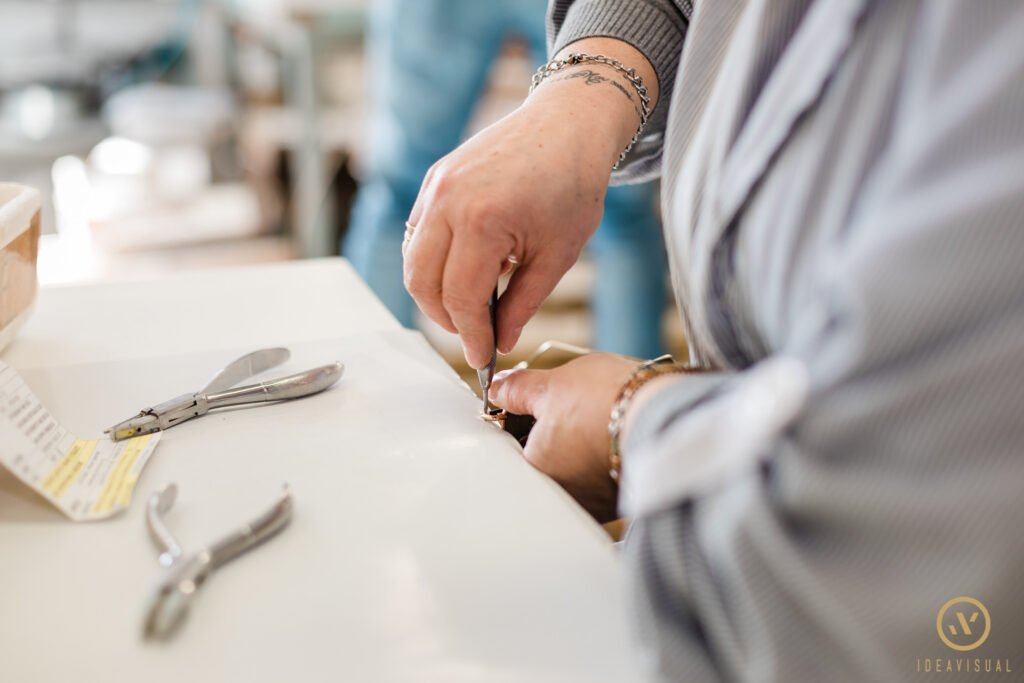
{"x": 643, "y": 374}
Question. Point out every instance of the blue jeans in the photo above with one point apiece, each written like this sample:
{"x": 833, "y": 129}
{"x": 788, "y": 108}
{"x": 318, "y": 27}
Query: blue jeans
{"x": 428, "y": 63}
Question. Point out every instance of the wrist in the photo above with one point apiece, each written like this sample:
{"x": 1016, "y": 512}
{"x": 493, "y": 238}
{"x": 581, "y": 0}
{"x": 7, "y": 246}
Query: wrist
{"x": 606, "y": 80}
{"x": 622, "y": 52}
{"x": 602, "y": 126}
{"x": 644, "y": 396}
{"x": 647, "y": 380}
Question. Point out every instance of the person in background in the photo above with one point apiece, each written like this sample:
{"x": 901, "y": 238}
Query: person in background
{"x": 843, "y": 196}
{"x": 428, "y": 63}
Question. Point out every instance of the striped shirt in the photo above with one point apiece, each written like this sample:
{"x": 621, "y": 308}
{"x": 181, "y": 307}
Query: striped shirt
{"x": 843, "y": 194}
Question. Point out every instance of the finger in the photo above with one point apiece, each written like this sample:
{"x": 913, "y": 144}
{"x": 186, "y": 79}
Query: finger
{"x": 529, "y": 286}
{"x": 507, "y": 265}
{"x": 470, "y": 275}
{"x": 520, "y": 391}
{"x": 539, "y": 447}
{"x": 410, "y": 232}
{"x": 423, "y": 268}
{"x": 417, "y": 208}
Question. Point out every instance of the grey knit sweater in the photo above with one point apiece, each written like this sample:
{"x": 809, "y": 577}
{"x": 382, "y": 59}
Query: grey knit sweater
{"x": 843, "y": 195}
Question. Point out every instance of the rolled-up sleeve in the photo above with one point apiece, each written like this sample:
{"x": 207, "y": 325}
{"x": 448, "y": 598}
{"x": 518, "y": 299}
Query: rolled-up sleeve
{"x": 705, "y": 428}
{"x": 657, "y": 29}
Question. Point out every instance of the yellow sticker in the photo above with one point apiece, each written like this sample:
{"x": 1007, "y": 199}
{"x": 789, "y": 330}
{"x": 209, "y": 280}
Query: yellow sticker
{"x": 121, "y": 480}
{"x": 64, "y": 474}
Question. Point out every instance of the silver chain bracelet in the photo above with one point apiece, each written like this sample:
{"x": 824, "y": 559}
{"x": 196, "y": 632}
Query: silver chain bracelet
{"x": 636, "y": 81}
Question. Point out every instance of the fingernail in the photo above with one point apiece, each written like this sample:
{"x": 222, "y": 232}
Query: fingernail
{"x": 514, "y": 337}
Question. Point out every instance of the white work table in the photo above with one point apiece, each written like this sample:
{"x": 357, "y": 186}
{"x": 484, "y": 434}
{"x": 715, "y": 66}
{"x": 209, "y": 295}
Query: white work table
{"x": 423, "y": 548}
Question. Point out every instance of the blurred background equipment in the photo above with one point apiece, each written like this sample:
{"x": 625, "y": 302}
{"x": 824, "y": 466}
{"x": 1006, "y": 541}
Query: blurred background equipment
{"x": 170, "y": 135}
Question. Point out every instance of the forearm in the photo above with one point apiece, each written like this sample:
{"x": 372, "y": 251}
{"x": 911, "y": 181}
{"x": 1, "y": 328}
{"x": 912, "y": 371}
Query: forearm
{"x": 598, "y": 96}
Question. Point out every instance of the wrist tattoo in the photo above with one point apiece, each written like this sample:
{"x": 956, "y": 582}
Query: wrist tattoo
{"x": 593, "y": 78}
{"x": 590, "y": 77}
{"x": 573, "y": 59}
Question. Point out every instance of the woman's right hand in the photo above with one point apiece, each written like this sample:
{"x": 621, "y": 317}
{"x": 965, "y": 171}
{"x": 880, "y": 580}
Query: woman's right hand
{"x": 532, "y": 187}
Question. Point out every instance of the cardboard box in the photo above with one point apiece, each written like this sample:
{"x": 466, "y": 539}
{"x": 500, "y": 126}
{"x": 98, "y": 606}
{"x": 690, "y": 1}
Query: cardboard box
{"x": 19, "y": 248}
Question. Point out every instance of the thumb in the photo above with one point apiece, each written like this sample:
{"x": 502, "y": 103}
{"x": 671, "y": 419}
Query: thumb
{"x": 519, "y": 391}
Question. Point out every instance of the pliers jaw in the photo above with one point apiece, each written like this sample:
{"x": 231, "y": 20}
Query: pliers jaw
{"x": 143, "y": 423}
{"x": 169, "y": 602}
{"x": 167, "y": 414}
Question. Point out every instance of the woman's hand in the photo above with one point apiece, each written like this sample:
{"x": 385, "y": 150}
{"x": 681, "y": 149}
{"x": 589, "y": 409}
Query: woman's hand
{"x": 572, "y": 405}
{"x": 519, "y": 188}
{"x": 532, "y": 187}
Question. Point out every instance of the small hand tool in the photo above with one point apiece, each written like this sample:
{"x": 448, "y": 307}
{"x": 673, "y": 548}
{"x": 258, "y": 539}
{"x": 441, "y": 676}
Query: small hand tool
{"x": 219, "y": 394}
{"x": 519, "y": 426}
{"x": 486, "y": 374}
{"x": 184, "y": 575}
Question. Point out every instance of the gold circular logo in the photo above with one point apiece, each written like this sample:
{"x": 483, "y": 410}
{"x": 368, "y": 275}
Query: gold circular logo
{"x": 963, "y": 624}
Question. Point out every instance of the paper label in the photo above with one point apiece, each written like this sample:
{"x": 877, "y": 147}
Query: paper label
{"x": 86, "y": 479}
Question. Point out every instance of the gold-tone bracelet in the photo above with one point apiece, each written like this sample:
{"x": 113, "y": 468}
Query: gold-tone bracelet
{"x": 643, "y": 374}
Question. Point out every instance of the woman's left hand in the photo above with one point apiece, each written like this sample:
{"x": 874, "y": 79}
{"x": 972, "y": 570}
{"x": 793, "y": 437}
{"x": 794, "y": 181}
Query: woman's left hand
{"x": 572, "y": 404}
